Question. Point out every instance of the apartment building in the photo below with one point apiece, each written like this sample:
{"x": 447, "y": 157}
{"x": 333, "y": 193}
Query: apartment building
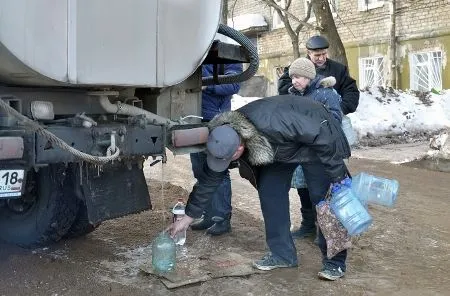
{"x": 400, "y": 43}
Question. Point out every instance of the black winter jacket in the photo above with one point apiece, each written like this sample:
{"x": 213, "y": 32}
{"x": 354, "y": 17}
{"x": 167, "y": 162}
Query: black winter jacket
{"x": 300, "y": 130}
{"x": 287, "y": 129}
{"x": 345, "y": 85}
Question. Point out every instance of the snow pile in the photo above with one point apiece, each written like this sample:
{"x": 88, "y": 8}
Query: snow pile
{"x": 382, "y": 113}
{"x": 237, "y": 101}
{"x": 440, "y": 146}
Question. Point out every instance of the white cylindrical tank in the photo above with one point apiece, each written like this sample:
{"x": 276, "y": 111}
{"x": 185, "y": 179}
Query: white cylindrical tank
{"x": 148, "y": 43}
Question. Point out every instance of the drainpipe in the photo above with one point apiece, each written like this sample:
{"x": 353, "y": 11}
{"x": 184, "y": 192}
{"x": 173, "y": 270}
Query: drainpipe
{"x": 393, "y": 79}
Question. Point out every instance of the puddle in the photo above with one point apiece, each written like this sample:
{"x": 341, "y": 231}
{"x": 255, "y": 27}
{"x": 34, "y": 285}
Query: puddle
{"x": 126, "y": 268}
{"x": 438, "y": 164}
{"x": 54, "y": 254}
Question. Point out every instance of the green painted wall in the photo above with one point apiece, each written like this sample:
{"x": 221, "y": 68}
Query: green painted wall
{"x": 352, "y": 60}
{"x": 405, "y": 47}
{"x": 354, "y": 52}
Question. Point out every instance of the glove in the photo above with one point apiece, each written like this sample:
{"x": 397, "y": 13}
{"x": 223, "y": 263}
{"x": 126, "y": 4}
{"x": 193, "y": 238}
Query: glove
{"x": 337, "y": 186}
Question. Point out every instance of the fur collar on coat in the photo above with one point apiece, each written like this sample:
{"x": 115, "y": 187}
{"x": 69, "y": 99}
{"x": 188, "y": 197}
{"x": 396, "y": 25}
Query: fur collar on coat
{"x": 258, "y": 149}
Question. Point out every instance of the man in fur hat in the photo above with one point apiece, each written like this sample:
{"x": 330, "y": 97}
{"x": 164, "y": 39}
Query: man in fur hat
{"x": 317, "y": 52}
{"x": 268, "y": 139}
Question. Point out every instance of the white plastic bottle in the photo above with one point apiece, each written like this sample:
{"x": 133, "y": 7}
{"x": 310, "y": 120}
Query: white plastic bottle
{"x": 178, "y": 214}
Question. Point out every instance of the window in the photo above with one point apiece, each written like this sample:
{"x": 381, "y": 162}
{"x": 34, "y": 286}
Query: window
{"x": 371, "y": 72}
{"x": 334, "y": 5}
{"x": 364, "y": 5}
{"x": 277, "y": 22}
{"x": 426, "y": 70}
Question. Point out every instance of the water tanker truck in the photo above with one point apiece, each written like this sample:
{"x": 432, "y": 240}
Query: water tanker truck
{"x": 88, "y": 91}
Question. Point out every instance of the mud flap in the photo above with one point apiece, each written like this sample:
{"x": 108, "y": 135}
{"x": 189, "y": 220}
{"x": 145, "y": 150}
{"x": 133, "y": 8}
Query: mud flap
{"x": 117, "y": 191}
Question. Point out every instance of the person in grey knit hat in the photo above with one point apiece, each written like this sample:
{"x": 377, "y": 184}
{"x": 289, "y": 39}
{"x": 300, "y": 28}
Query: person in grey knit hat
{"x": 306, "y": 83}
{"x": 302, "y": 67}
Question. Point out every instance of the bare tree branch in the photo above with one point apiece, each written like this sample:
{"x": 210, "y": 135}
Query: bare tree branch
{"x": 305, "y": 20}
{"x": 232, "y": 12}
{"x": 324, "y": 18}
{"x": 288, "y": 4}
{"x": 224, "y": 16}
{"x": 286, "y": 17}
{"x": 275, "y": 6}
{"x": 286, "y": 22}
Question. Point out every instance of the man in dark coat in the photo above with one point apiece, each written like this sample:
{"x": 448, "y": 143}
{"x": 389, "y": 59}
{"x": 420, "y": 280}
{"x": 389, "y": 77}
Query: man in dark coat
{"x": 269, "y": 138}
{"x": 346, "y": 87}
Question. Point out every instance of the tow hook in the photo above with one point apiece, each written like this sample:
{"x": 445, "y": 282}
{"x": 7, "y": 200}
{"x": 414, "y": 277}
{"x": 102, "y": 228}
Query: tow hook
{"x": 112, "y": 147}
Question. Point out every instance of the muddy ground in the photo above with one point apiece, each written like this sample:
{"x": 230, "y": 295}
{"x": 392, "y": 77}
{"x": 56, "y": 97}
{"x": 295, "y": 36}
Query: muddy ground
{"x": 405, "y": 252}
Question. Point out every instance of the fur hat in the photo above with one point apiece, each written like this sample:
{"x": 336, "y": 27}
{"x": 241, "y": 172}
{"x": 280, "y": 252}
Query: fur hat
{"x": 302, "y": 67}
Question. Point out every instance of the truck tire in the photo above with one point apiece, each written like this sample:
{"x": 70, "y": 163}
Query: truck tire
{"x": 43, "y": 215}
{"x": 81, "y": 226}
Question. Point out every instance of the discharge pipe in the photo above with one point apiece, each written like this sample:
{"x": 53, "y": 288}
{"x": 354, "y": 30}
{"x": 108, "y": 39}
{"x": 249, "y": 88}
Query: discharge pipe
{"x": 179, "y": 137}
{"x": 125, "y": 109}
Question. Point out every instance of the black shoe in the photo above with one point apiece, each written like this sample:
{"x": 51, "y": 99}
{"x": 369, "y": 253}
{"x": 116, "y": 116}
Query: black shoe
{"x": 202, "y": 224}
{"x": 330, "y": 273}
{"x": 220, "y": 226}
{"x": 269, "y": 262}
{"x": 304, "y": 232}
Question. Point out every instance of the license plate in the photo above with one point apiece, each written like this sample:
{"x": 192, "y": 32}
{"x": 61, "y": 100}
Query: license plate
{"x": 11, "y": 183}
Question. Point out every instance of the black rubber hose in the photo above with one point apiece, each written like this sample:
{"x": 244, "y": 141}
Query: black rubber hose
{"x": 253, "y": 55}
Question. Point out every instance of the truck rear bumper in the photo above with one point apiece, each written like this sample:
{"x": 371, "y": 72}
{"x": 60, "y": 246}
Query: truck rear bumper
{"x": 27, "y": 149}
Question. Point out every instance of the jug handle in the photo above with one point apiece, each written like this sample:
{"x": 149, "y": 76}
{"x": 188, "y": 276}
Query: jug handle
{"x": 328, "y": 194}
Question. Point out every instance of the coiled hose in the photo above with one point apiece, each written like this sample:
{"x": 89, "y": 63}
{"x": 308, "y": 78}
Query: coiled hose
{"x": 253, "y": 55}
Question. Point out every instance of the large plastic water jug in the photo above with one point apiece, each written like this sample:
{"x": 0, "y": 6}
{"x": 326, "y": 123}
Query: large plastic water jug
{"x": 375, "y": 190}
{"x": 349, "y": 132}
{"x": 350, "y": 211}
{"x": 163, "y": 253}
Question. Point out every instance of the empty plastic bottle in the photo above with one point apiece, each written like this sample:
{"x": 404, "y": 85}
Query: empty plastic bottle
{"x": 178, "y": 214}
{"x": 349, "y": 132}
{"x": 375, "y": 190}
{"x": 163, "y": 253}
{"x": 350, "y": 211}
